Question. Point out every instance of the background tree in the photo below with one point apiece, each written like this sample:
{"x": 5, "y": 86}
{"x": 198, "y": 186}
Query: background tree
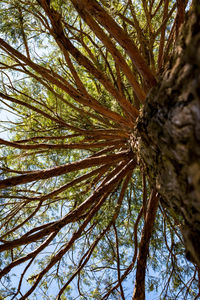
{"x": 79, "y": 215}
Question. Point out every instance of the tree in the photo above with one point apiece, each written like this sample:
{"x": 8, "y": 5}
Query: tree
{"x": 100, "y": 174}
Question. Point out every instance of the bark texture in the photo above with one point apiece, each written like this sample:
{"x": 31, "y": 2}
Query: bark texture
{"x": 168, "y": 135}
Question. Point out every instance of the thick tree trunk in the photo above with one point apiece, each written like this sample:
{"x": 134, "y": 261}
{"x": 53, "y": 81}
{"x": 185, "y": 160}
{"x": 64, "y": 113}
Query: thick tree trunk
{"x": 168, "y": 136}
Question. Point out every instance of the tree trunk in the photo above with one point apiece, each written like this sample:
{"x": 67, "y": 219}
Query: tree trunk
{"x": 168, "y": 135}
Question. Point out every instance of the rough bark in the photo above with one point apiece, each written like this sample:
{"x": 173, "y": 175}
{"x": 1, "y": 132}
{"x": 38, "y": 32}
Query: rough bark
{"x": 168, "y": 135}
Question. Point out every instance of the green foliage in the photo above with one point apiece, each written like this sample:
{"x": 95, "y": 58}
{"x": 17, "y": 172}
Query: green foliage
{"x": 43, "y": 113}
